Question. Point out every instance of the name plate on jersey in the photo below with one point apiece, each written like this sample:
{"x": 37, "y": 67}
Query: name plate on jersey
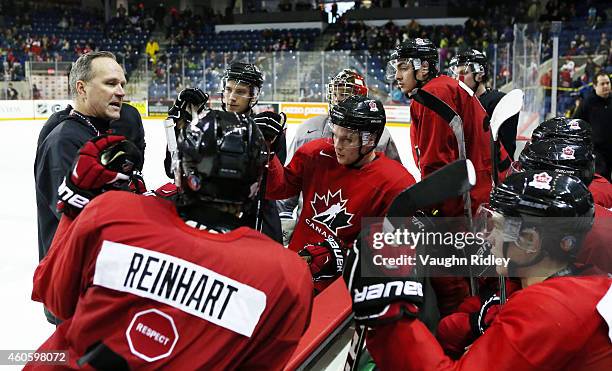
{"x": 181, "y": 284}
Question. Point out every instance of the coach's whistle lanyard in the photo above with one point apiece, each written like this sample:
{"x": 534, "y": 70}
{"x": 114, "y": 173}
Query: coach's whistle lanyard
{"x": 86, "y": 119}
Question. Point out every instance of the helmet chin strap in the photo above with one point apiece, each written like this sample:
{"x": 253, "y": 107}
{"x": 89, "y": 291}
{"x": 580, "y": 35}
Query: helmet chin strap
{"x": 360, "y": 157}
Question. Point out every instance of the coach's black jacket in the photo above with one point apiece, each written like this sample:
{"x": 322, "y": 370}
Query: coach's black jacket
{"x": 59, "y": 140}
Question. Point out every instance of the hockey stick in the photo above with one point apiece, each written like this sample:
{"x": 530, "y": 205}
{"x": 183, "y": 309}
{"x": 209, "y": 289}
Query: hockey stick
{"x": 447, "y": 182}
{"x": 169, "y": 126}
{"x": 456, "y": 124}
{"x": 510, "y": 105}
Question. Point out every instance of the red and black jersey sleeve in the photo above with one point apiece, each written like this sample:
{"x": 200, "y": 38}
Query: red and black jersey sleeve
{"x": 543, "y": 327}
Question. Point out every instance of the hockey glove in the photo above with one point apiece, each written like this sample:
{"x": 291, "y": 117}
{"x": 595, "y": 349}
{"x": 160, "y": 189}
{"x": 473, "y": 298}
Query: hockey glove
{"x": 272, "y": 126}
{"x": 481, "y": 320}
{"x": 103, "y": 163}
{"x": 189, "y": 96}
{"x": 459, "y": 330}
{"x": 325, "y": 259}
{"x": 379, "y": 296}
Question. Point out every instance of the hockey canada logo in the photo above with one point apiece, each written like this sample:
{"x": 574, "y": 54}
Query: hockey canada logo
{"x": 541, "y": 181}
{"x": 373, "y": 107}
{"x": 330, "y": 210}
{"x": 568, "y": 153}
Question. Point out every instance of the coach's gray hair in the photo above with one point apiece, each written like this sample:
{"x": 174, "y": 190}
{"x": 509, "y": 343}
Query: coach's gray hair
{"x": 81, "y": 69}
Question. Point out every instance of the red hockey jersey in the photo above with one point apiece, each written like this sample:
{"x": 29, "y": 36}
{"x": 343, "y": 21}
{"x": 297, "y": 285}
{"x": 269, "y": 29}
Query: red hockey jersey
{"x": 597, "y": 246}
{"x": 553, "y": 325}
{"x": 159, "y": 294}
{"x": 336, "y": 197}
{"x": 601, "y": 189}
{"x": 434, "y": 144}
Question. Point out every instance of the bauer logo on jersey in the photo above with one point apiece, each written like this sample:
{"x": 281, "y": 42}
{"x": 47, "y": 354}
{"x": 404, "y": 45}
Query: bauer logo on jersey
{"x": 574, "y": 125}
{"x": 330, "y": 210}
{"x": 568, "y": 153}
{"x": 181, "y": 284}
{"x": 541, "y": 181}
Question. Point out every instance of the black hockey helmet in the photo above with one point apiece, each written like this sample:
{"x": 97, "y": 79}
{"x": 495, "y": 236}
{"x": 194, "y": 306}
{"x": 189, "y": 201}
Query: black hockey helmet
{"x": 361, "y": 114}
{"x": 558, "y": 155}
{"x": 570, "y": 130}
{"x": 244, "y": 72}
{"x": 560, "y": 207}
{"x": 415, "y": 51}
{"x": 474, "y": 59}
{"x": 222, "y": 158}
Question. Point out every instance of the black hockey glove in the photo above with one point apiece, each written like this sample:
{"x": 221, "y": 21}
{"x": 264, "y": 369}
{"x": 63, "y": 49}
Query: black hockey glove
{"x": 272, "y": 125}
{"x": 104, "y": 163}
{"x": 380, "y": 294}
{"x": 189, "y": 96}
{"x": 481, "y": 320}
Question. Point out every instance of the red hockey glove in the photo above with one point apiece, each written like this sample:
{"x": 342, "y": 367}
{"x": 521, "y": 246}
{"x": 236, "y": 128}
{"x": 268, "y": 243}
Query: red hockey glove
{"x": 168, "y": 190}
{"x": 325, "y": 259}
{"x": 454, "y": 333}
{"x": 103, "y": 163}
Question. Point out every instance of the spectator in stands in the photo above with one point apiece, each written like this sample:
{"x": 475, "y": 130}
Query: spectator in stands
{"x": 63, "y": 23}
{"x": 334, "y": 12}
{"x": 121, "y": 11}
{"x": 11, "y": 92}
{"x": 152, "y": 49}
{"x": 597, "y": 110}
{"x": 36, "y": 92}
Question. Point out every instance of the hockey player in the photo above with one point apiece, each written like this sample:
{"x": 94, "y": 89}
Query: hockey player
{"x": 557, "y": 321}
{"x": 341, "y": 182}
{"x": 472, "y": 68}
{"x": 240, "y": 89}
{"x": 575, "y": 159}
{"x": 579, "y": 132}
{"x": 342, "y": 86}
{"x": 241, "y": 86}
{"x": 148, "y": 283}
{"x": 414, "y": 65}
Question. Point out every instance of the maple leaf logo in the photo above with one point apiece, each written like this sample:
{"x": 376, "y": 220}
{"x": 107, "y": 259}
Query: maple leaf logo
{"x": 330, "y": 210}
{"x": 568, "y": 153}
{"x": 541, "y": 181}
